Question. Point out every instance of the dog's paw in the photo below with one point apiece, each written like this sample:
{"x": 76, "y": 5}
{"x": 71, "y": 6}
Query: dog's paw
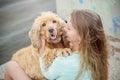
{"x": 64, "y": 52}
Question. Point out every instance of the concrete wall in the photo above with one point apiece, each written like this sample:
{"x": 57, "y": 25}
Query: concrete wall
{"x": 109, "y": 10}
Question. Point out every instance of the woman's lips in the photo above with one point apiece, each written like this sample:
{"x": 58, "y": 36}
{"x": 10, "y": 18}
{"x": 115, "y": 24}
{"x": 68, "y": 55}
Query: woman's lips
{"x": 66, "y": 36}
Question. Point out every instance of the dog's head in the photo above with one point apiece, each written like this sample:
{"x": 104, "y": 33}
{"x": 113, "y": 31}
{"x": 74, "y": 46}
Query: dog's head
{"x": 48, "y": 26}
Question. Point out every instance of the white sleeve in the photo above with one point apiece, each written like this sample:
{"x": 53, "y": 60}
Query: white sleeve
{"x": 54, "y": 70}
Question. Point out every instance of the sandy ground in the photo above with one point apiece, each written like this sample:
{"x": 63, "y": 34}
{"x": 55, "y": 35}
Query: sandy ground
{"x": 2, "y": 71}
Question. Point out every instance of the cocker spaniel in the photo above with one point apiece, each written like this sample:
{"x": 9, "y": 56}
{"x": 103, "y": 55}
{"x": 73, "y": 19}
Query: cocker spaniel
{"x": 47, "y": 39}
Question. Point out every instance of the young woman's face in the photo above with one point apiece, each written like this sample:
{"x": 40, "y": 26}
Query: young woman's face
{"x": 71, "y": 33}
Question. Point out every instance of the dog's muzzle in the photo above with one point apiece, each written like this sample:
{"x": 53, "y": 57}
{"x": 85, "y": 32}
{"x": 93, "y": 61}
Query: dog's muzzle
{"x": 51, "y": 30}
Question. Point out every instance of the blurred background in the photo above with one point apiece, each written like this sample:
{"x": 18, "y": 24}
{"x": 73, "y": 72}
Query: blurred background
{"x": 17, "y": 17}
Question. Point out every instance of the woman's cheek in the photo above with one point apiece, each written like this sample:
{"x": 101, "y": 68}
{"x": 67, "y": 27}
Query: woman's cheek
{"x": 68, "y": 37}
{"x": 71, "y": 38}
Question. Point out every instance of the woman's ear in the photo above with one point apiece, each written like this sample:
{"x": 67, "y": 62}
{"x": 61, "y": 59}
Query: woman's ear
{"x": 34, "y": 34}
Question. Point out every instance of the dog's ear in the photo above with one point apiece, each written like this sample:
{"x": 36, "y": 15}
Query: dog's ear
{"x": 65, "y": 41}
{"x": 34, "y": 34}
{"x": 62, "y": 23}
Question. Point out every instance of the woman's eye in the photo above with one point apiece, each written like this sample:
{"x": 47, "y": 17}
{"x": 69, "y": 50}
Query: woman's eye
{"x": 43, "y": 24}
{"x": 54, "y": 21}
{"x": 68, "y": 28}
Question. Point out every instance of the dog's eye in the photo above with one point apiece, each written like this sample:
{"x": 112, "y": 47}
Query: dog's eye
{"x": 54, "y": 21}
{"x": 43, "y": 24}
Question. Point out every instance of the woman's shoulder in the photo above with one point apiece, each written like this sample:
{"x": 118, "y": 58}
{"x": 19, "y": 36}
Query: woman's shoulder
{"x": 73, "y": 56}
{"x": 61, "y": 66}
{"x": 72, "y": 59}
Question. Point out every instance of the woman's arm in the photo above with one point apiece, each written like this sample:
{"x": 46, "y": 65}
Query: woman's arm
{"x": 54, "y": 70}
{"x": 14, "y": 72}
{"x": 65, "y": 68}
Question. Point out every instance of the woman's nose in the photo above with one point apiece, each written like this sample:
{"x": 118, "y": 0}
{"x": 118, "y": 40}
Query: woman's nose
{"x": 64, "y": 28}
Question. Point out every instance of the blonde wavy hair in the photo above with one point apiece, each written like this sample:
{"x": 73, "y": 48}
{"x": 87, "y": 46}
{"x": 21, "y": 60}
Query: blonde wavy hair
{"x": 93, "y": 44}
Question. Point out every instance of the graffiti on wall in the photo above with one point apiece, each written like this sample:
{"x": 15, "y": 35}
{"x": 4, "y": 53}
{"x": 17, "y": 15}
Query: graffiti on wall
{"x": 116, "y": 24}
{"x": 93, "y": 6}
{"x": 81, "y": 1}
{"x": 105, "y": 5}
{"x": 106, "y": 9}
{"x": 112, "y": 2}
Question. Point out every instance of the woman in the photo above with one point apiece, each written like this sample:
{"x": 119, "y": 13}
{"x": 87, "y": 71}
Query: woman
{"x": 88, "y": 60}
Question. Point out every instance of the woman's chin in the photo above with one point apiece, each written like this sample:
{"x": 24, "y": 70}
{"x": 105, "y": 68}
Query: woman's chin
{"x": 68, "y": 39}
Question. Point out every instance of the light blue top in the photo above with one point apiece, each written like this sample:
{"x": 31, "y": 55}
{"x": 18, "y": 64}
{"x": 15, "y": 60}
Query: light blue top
{"x": 64, "y": 68}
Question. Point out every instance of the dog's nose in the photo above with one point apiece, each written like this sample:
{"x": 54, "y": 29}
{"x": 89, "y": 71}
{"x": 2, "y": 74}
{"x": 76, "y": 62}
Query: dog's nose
{"x": 51, "y": 30}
